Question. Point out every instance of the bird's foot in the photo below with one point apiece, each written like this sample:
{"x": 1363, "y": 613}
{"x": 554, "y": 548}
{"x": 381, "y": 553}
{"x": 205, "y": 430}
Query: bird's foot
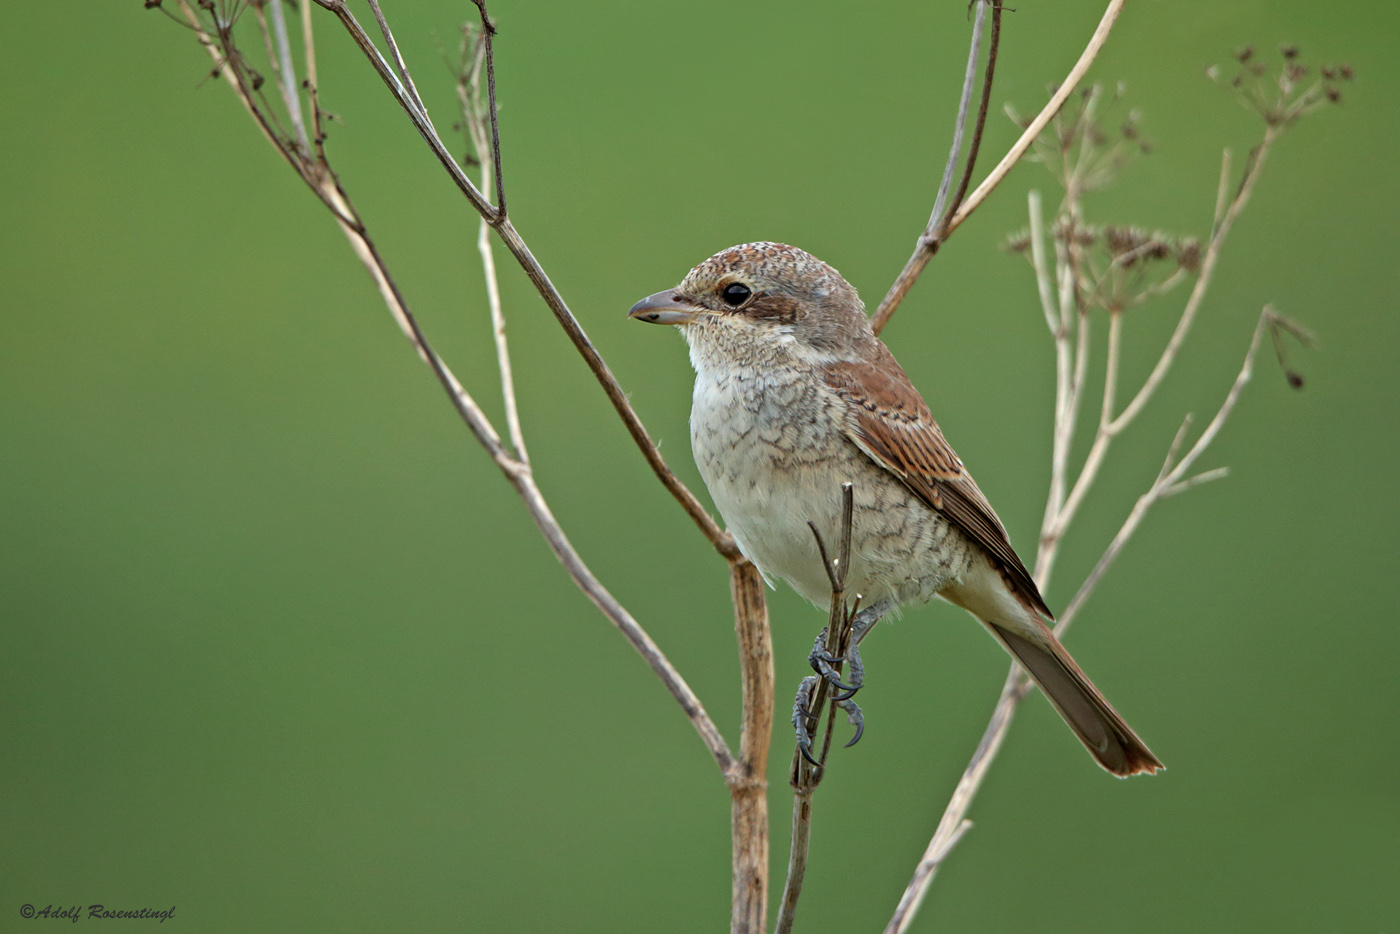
{"x": 823, "y": 663}
{"x": 854, "y": 717}
{"x": 802, "y": 712}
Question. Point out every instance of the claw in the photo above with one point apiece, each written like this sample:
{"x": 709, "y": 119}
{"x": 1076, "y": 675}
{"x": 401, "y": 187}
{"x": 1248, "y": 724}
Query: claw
{"x": 801, "y": 712}
{"x": 822, "y": 661}
{"x": 855, "y": 718}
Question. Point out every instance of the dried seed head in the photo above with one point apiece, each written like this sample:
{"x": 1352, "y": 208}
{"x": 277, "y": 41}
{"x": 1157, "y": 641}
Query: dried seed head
{"x": 1018, "y": 242}
{"x": 1243, "y": 55}
{"x": 1188, "y": 255}
{"x": 1288, "y": 51}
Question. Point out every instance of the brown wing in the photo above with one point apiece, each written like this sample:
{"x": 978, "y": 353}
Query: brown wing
{"x": 888, "y": 420}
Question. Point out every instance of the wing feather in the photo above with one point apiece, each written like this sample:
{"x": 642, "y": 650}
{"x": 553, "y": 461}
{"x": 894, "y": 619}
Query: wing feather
{"x": 889, "y": 421}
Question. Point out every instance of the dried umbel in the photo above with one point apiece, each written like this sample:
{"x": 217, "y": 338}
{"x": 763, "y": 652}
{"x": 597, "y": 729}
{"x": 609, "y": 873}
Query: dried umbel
{"x": 1281, "y": 96}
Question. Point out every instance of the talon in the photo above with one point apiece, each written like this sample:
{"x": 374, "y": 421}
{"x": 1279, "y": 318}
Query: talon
{"x": 822, "y": 661}
{"x": 855, "y": 718}
{"x": 801, "y": 712}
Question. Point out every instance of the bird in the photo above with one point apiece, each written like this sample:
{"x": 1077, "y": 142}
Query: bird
{"x": 795, "y": 396}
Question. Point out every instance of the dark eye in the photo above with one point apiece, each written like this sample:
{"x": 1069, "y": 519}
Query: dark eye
{"x": 735, "y": 294}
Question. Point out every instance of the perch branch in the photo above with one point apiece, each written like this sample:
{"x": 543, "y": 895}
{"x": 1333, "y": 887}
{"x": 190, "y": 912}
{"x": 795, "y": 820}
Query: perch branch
{"x": 805, "y": 777}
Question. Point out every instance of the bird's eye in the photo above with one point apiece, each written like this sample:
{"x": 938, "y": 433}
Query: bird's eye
{"x": 735, "y": 294}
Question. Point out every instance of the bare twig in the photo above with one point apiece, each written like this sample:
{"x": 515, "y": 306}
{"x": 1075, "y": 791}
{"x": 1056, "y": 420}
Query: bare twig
{"x": 938, "y": 223}
{"x": 399, "y": 65}
{"x": 290, "y": 96}
{"x": 1057, "y": 100}
{"x": 969, "y": 80}
{"x": 1110, "y": 425}
{"x": 474, "y": 121}
{"x": 318, "y": 176}
{"x": 1079, "y": 288}
{"x": 1212, "y": 255}
{"x": 744, "y": 774}
{"x": 805, "y": 777}
{"x": 488, "y": 32}
{"x": 924, "y": 252}
{"x": 1172, "y": 478}
{"x": 721, "y": 540}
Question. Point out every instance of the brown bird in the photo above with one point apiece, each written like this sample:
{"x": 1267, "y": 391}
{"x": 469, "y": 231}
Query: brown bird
{"x": 794, "y": 396}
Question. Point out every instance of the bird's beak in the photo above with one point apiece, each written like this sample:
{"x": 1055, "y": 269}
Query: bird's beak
{"x": 666, "y": 308}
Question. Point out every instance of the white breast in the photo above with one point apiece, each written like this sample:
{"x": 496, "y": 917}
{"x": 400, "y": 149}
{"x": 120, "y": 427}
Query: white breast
{"x": 756, "y": 445}
{"x": 771, "y": 448}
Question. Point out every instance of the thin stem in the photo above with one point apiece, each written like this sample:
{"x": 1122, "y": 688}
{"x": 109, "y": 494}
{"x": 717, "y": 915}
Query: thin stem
{"x": 409, "y": 105}
{"x": 308, "y": 41}
{"x": 1173, "y": 478}
{"x": 805, "y": 777}
{"x": 983, "y": 106}
{"x": 488, "y": 32}
{"x": 797, "y": 861}
{"x": 924, "y": 251}
{"x": 290, "y": 95}
{"x": 1110, "y": 426}
{"x": 954, "y": 822}
{"x": 969, "y": 80}
{"x": 1203, "y": 280}
{"x": 1057, "y": 100}
{"x": 938, "y": 225}
{"x": 1170, "y": 481}
{"x": 1110, "y": 379}
{"x": 718, "y": 538}
{"x": 321, "y": 180}
{"x": 469, "y": 96}
{"x": 1042, "y": 271}
{"x": 399, "y": 65}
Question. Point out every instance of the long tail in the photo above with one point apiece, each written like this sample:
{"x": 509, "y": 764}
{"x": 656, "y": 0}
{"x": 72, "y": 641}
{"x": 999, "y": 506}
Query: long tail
{"x": 1098, "y": 726}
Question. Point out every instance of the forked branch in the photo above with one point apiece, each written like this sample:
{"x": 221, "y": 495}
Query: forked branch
{"x": 928, "y": 243}
{"x": 315, "y": 171}
{"x": 1077, "y": 285}
{"x": 500, "y": 222}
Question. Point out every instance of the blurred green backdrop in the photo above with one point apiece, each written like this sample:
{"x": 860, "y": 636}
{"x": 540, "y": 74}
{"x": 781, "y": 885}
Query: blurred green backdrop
{"x": 283, "y": 650}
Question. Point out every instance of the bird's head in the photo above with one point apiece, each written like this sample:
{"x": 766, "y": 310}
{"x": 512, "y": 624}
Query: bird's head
{"x": 764, "y": 295}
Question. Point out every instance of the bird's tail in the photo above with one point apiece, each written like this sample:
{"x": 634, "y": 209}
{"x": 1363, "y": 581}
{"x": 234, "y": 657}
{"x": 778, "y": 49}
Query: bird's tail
{"x": 1109, "y": 740}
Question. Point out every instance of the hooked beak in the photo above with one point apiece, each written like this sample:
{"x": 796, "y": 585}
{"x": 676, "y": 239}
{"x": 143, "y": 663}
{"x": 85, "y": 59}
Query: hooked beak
{"x": 666, "y": 307}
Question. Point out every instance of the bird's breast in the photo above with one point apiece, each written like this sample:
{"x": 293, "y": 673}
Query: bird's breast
{"x": 773, "y": 457}
{"x": 772, "y": 448}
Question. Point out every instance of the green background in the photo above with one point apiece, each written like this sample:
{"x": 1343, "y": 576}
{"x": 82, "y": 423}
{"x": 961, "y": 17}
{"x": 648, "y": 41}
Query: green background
{"x": 281, "y": 648}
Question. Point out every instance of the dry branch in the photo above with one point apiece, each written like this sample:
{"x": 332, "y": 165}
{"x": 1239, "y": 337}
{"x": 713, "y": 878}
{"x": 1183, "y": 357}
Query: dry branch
{"x": 1080, "y": 284}
{"x": 744, "y": 774}
{"x": 927, "y": 244}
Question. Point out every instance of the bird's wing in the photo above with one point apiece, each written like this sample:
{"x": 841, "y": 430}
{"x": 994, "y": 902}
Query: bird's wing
{"x": 888, "y": 420}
